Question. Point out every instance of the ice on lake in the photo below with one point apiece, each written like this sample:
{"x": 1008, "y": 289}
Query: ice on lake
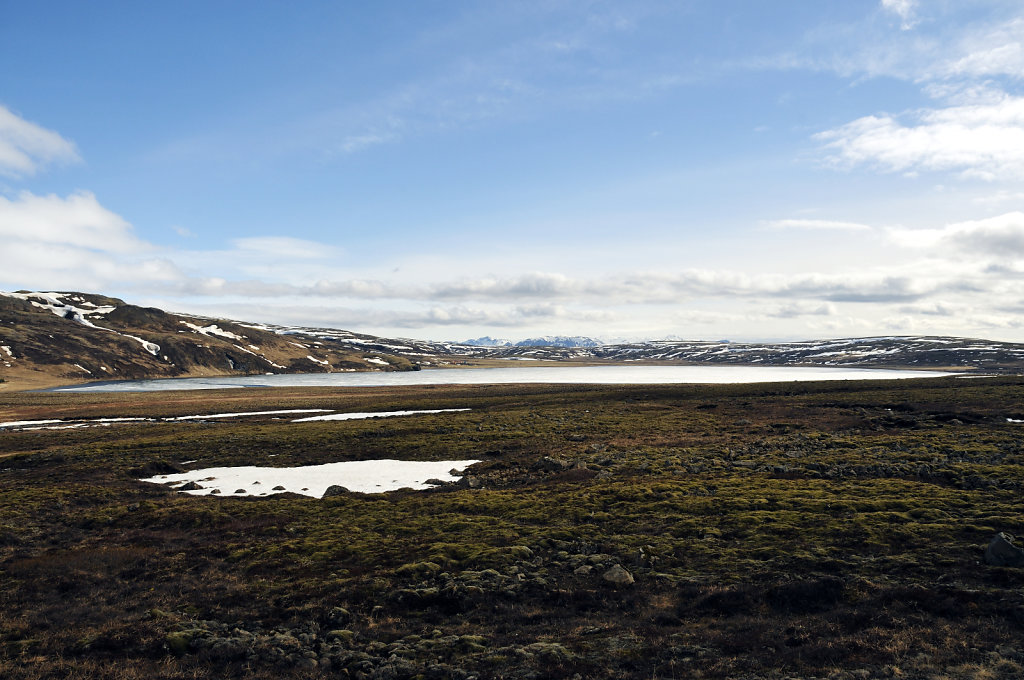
{"x": 576, "y": 375}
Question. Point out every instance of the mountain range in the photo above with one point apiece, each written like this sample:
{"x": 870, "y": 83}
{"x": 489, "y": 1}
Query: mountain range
{"x": 50, "y": 338}
{"x": 546, "y": 341}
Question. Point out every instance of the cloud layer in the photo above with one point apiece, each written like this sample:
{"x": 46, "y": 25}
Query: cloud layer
{"x": 26, "y": 148}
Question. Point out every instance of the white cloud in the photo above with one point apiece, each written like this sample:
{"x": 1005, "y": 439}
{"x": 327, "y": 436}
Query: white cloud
{"x": 801, "y": 308}
{"x": 78, "y": 220}
{"x": 904, "y": 9}
{"x": 826, "y": 225}
{"x": 26, "y": 147}
{"x": 1001, "y": 236}
{"x": 1002, "y": 196}
{"x": 984, "y": 141}
{"x": 986, "y": 52}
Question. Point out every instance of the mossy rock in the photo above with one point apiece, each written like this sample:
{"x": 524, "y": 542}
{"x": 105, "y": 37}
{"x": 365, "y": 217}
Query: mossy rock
{"x": 520, "y": 552}
{"x": 178, "y": 642}
{"x": 341, "y": 635}
{"x": 419, "y": 568}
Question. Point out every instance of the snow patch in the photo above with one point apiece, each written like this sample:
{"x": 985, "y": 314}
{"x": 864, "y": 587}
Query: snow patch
{"x": 375, "y": 360}
{"x": 213, "y": 329}
{"x": 23, "y": 423}
{"x": 377, "y": 414}
{"x": 365, "y": 476}
{"x": 253, "y": 413}
{"x": 150, "y": 347}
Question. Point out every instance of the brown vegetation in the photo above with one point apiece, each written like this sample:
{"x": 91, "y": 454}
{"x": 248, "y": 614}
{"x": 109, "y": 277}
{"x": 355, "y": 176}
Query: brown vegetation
{"x": 786, "y": 530}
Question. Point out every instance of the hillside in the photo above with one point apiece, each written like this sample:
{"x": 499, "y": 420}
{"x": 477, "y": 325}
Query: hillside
{"x": 877, "y": 352}
{"x": 57, "y": 338}
{"x": 54, "y": 338}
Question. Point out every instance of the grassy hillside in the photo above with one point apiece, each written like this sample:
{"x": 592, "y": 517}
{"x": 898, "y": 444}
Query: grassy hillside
{"x": 60, "y": 338}
{"x": 786, "y": 530}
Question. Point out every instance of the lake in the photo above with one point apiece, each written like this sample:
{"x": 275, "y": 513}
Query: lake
{"x": 578, "y": 375}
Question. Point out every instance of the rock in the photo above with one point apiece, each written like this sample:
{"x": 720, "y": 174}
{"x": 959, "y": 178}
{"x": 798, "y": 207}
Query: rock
{"x": 189, "y": 486}
{"x": 472, "y": 481}
{"x": 335, "y": 490}
{"x": 550, "y": 652}
{"x": 433, "y": 481}
{"x": 618, "y": 576}
{"x": 178, "y": 642}
{"x": 584, "y": 570}
{"x": 278, "y": 488}
{"x": 551, "y": 464}
{"x": 1001, "y": 552}
{"x": 341, "y": 635}
{"x": 239, "y": 490}
{"x": 339, "y": 616}
{"x": 521, "y": 552}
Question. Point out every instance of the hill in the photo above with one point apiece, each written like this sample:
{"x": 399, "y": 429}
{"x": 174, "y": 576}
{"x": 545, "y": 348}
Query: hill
{"x": 53, "y": 338}
{"x": 62, "y": 337}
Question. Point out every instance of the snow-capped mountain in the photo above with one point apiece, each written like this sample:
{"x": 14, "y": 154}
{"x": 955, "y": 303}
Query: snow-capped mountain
{"x": 558, "y": 341}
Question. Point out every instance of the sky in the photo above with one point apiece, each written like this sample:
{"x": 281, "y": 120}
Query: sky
{"x": 702, "y": 169}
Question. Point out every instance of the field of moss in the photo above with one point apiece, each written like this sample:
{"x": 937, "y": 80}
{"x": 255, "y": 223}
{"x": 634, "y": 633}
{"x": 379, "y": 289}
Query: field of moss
{"x": 797, "y": 530}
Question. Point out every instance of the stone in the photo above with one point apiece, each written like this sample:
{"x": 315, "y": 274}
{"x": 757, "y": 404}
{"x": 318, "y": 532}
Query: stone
{"x": 335, "y": 490}
{"x": 551, "y": 464}
{"x": 343, "y": 635}
{"x": 178, "y": 642}
{"x": 471, "y": 481}
{"x": 278, "y": 488}
{"x": 1001, "y": 552}
{"x": 338, "y": 616}
{"x": 189, "y": 486}
{"x": 521, "y": 552}
{"x": 550, "y": 652}
{"x": 618, "y": 576}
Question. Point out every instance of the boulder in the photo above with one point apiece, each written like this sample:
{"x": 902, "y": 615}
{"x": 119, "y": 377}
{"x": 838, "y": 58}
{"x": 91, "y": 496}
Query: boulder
{"x": 335, "y": 490}
{"x": 617, "y": 576}
{"x": 551, "y": 464}
{"x": 339, "y": 616}
{"x": 1001, "y": 552}
{"x": 471, "y": 481}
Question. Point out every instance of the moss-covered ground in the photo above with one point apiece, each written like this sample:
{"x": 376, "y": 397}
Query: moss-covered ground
{"x": 783, "y": 530}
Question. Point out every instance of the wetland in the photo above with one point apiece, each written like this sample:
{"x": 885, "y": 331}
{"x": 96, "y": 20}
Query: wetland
{"x": 796, "y": 529}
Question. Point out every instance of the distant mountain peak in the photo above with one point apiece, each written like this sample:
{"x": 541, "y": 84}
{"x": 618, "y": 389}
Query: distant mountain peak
{"x": 487, "y": 341}
{"x": 559, "y": 341}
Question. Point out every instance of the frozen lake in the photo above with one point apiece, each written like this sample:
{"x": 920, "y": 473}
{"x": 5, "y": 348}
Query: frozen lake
{"x": 603, "y": 375}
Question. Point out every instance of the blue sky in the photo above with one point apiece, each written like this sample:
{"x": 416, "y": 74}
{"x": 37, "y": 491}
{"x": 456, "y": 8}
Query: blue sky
{"x": 444, "y": 170}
